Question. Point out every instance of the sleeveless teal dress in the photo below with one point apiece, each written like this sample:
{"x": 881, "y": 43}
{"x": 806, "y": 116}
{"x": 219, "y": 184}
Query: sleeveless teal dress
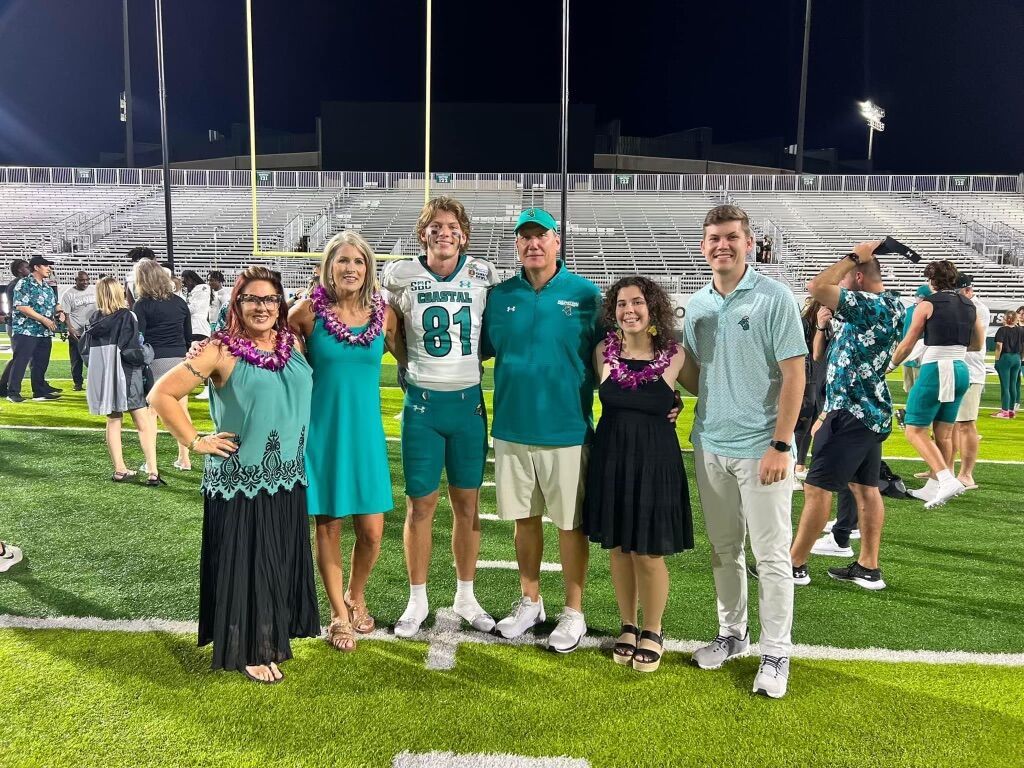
{"x": 256, "y": 583}
{"x": 346, "y": 453}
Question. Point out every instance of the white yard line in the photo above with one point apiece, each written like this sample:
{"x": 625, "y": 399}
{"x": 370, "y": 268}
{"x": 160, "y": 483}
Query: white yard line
{"x": 512, "y": 565}
{"x": 448, "y": 631}
{"x": 482, "y": 760}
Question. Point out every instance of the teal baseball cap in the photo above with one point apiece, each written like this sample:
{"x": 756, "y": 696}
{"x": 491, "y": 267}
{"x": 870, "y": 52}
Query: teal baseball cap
{"x": 536, "y": 216}
{"x": 924, "y": 290}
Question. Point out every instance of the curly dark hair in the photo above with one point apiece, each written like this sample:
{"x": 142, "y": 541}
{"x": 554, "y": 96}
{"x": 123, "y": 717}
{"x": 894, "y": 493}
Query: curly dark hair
{"x": 941, "y": 274}
{"x": 659, "y": 307}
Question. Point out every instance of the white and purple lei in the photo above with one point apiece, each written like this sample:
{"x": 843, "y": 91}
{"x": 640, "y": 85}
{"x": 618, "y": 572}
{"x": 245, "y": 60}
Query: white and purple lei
{"x": 621, "y": 374}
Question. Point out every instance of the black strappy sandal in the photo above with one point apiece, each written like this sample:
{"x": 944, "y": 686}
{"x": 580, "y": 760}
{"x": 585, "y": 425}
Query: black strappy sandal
{"x": 155, "y": 481}
{"x": 648, "y": 659}
{"x": 622, "y": 653}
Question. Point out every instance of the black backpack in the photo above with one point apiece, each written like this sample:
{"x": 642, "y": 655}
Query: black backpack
{"x": 891, "y": 484}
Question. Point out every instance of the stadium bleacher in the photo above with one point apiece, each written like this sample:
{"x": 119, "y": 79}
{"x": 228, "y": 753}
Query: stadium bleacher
{"x": 616, "y": 225}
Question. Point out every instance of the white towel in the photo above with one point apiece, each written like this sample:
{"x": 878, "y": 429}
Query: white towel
{"x": 947, "y": 381}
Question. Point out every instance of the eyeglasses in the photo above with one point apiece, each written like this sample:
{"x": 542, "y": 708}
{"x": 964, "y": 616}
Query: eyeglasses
{"x": 272, "y": 300}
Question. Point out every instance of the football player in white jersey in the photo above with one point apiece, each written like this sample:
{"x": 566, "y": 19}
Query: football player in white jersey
{"x": 441, "y": 298}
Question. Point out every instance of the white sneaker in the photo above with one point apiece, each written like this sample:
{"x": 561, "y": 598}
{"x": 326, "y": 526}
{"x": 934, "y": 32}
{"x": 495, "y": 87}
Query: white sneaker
{"x": 855, "y": 534}
{"x": 947, "y": 490}
{"x": 927, "y": 493}
{"x": 571, "y": 628}
{"x": 827, "y": 545}
{"x": 409, "y": 622}
{"x": 473, "y": 612}
{"x": 525, "y": 614}
{"x": 772, "y": 676}
{"x": 828, "y": 526}
{"x": 801, "y": 475}
{"x": 10, "y": 556}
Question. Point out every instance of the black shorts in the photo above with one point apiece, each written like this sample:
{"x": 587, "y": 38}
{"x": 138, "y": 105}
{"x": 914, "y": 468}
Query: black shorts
{"x": 845, "y": 451}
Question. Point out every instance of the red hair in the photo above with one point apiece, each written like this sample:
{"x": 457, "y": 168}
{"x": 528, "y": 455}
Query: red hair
{"x": 235, "y": 326}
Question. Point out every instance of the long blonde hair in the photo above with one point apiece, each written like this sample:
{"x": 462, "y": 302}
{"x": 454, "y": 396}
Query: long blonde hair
{"x": 110, "y": 296}
{"x": 151, "y": 281}
{"x": 331, "y": 252}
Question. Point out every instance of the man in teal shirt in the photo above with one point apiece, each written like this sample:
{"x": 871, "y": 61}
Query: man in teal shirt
{"x": 541, "y": 326}
{"x": 745, "y": 361}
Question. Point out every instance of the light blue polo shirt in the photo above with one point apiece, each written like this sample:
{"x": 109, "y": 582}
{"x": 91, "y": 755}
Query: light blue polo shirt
{"x": 738, "y": 342}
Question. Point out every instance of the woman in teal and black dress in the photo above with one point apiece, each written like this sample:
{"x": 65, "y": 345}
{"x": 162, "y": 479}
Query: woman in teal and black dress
{"x": 346, "y": 326}
{"x": 256, "y": 587}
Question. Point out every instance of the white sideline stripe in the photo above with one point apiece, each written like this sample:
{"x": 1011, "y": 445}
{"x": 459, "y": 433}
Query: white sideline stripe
{"x": 442, "y": 632}
{"x": 390, "y": 439}
{"x": 512, "y": 565}
{"x": 482, "y": 760}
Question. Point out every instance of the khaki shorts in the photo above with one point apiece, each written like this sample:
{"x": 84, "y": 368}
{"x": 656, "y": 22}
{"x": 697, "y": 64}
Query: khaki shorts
{"x": 971, "y": 404}
{"x": 530, "y": 478}
{"x": 909, "y": 377}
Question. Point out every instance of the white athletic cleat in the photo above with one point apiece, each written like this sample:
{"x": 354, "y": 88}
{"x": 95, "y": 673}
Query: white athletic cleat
{"x": 927, "y": 493}
{"x": 827, "y": 545}
{"x": 10, "y": 556}
{"x": 720, "y": 650}
{"x": 474, "y": 614}
{"x": 525, "y": 614}
{"x": 566, "y": 635}
{"x": 828, "y": 526}
{"x": 772, "y": 676}
{"x": 948, "y": 489}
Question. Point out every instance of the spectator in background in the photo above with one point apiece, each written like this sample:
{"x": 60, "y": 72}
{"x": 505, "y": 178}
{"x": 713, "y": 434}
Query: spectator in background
{"x": 766, "y": 251}
{"x": 79, "y": 303}
{"x": 198, "y": 296}
{"x": 116, "y": 356}
{"x": 220, "y": 297}
{"x": 136, "y": 255}
{"x": 912, "y": 365}
{"x": 950, "y": 327}
{"x": 816, "y": 320}
{"x": 166, "y": 325}
{"x": 965, "y": 432}
{"x": 1009, "y": 343}
{"x": 35, "y": 320}
{"x": 19, "y": 269}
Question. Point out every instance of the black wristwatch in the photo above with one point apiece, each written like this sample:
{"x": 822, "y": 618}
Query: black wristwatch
{"x": 780, "y": 446}
{"x": 853, "y": 257}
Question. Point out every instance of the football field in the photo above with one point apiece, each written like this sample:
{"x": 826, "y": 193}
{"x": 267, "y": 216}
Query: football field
{"x": 100, "y": 666}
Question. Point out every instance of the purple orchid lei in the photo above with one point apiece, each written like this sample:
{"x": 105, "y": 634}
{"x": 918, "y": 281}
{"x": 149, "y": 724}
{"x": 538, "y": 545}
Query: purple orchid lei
{"x": 620, "y": 373}
{"x": 339, "y": 330}
{"x": 246, "y": 349}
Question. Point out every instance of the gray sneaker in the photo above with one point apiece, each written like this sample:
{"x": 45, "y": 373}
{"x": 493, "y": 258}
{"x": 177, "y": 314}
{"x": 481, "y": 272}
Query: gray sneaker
{"x": 720, "y": 650}
{"x": 566, "y": 635}
{"x": 772, "y": 676}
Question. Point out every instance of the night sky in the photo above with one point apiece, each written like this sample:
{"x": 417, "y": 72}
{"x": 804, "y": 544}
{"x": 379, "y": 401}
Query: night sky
{"x": 949, "y": 74}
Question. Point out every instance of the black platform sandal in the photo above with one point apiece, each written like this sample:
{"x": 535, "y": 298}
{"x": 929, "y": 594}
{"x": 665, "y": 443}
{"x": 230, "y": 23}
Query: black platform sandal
{"x": 648, "y": 659}
{"x": 622, "y": 653}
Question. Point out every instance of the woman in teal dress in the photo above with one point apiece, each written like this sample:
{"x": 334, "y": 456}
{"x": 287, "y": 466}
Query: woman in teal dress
{"x": 256, "y": 587}
{"x": 346, "y": 326}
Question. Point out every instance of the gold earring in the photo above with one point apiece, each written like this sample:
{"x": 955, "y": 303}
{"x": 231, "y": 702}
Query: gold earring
{"x": 652, "y": 330}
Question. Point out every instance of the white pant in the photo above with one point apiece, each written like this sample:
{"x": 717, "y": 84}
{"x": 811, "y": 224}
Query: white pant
{"x": 735, "y": 502}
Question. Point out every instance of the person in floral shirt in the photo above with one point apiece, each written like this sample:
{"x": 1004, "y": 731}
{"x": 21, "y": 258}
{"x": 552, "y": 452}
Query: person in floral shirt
{"x": 35, "y": 319}
{"x": 857, "y": 417}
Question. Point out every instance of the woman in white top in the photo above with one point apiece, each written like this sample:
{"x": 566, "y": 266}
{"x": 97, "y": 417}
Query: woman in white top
{"x": 197, "y": 294}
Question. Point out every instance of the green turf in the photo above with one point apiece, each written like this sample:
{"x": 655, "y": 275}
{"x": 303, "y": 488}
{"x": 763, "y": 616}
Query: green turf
{"x": 102, "y": 699}
{"x": 96, "y": 548}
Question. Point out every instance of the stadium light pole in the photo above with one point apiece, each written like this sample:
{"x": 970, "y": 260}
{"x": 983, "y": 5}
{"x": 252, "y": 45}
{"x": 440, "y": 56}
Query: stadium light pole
{"x": 426, "y": 107}
{"x": 564, "y": 126}
{"x": 129, "y": 139}
{"x": 873, "y": 114}
{"x": 163, "y": 132}
{"x": 802, "y": 114}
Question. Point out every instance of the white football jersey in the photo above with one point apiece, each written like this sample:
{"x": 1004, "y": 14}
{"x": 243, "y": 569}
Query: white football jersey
{"x": 442, "y": 319}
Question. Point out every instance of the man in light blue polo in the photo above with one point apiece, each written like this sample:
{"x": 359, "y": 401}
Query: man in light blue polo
{"x": 744, "y": 360}
{"x": 541, "y": 326}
